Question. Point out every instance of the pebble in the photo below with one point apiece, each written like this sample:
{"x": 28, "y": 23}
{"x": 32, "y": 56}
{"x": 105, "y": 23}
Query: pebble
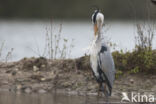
{"x": 18, "y": 87}
{"x": 35, "y": 68}
{"x": 16, "y": 69}
{"x": 27, "y": 90}
{"x": 43, "y": 66}
{"x": 42, "y": 91}
{"x": 43, "y": 79}
{"x": 131, "y": 81}
{"x": 14, "y": 73}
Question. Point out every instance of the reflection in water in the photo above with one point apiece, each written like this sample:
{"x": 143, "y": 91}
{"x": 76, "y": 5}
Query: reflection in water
{"x": 13, "y": 98}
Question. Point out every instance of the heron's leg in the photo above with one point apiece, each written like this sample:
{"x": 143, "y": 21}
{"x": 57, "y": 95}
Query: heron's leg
{"x": 99, "y": 91}
{"x": 102, "y": 90}
{"x": 106, "y": 95}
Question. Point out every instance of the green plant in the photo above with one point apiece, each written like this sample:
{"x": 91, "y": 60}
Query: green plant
{"x": 135, "y": 70}
{"x": 136, "y": 61}
{"x": 118, "y": 73}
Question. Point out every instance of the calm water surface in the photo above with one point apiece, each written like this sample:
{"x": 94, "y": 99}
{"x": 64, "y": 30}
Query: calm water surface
{"x": 12, "y": 98}
{"x": 24, "y": 36}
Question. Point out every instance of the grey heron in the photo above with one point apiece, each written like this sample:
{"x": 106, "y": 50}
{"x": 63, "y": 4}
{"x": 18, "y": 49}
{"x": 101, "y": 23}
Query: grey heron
{"x": 101, "y": 60}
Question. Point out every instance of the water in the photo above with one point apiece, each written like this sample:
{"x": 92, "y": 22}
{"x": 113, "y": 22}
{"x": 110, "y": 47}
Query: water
{"x": 26, "y": 35}
{"x": 13, "y": 98}
{"x": 29, "y": 36}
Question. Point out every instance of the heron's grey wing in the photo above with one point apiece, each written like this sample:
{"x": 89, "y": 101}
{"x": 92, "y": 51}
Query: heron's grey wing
{"x": 107, "y": 64}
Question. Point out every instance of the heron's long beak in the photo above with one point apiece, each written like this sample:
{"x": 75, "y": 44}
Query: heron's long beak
{"x": 95, "y": 29}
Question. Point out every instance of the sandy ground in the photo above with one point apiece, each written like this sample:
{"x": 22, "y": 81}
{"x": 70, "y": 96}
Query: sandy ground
{"x": 40, "y": 75}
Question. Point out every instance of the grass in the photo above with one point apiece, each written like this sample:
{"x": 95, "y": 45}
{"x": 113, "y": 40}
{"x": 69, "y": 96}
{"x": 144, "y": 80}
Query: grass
{"x": 56, "y": 46}
{"x": 142, "y": 58}
{"x": 136, "y": 61}
{"x": 5, "y": 56}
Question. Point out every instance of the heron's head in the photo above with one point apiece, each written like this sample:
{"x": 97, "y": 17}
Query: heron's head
{"x": 98, "y": 21}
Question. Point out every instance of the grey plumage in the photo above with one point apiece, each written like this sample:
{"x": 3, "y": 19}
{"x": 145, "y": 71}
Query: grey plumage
{"x": 101, "y": 60}
{"x": 107, "y": 66}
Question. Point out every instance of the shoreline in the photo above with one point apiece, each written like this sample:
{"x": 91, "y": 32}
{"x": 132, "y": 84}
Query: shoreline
{"x": 71, "y": 76}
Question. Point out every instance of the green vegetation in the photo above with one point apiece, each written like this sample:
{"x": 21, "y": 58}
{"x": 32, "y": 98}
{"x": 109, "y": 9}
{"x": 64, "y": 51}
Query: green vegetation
{"x": 142, "y": 58}
{"x": 136, "y": 61}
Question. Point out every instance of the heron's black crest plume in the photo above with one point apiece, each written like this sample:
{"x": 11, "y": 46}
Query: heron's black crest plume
{"x": 94, "y": 16}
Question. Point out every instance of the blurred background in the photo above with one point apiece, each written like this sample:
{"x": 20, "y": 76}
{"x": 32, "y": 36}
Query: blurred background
{"x": 24, "y": 23}
{"x": 74, "y": 9}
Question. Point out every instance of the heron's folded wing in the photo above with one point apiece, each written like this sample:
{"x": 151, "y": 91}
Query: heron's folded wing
{"x": 107, "y": 65}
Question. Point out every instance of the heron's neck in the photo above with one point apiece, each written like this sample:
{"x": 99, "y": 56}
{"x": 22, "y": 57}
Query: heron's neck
{"x": 98, "y": 37}
{"x": 99, "y": 33}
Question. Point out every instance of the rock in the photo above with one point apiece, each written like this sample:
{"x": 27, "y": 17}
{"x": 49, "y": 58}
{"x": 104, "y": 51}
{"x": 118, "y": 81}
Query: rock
{"x": 20, "y": 79}
{"x": 14, "y": 72}
{"x": 43, "y": 79}
{"x": 52, "y": 75}
{"x": 131, "y": 81}
{"x": 16, "y": 69}
{"x": 43, "y": 66}
{"x": 27, "y": 90}
{"x": 35, "y": 68}
{"x": 38, "y": 77}
{"x": 18, "y": 87}
{"x": 66, "y": 84}
{"x": 42, "y": 91}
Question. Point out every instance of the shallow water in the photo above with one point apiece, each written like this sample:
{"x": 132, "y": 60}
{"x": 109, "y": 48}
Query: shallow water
{"x": 13, "y": 98}
{"x": 29, "y": 36}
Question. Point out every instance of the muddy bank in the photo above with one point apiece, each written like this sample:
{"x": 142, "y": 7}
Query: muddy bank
{"x": 73, "y": 76}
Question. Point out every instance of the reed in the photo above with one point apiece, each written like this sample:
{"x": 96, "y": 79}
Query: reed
{"x": 5, "y": 56}
{"x": 56, "y": 46}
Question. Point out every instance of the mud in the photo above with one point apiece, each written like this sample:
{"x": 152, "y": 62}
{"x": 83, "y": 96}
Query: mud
{"x": 72, "y": 76}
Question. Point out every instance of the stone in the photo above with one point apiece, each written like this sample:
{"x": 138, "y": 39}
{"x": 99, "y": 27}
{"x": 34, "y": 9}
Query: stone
{"x": 27, "y": 90}
{"x": 18, "y": 87}
{"x": 42, "y": 91}
{"x": 43, "y": 79}
{"x": 66, "y": 84}
{"x": 43, "y": 66}
{"x": 35, "y": 68}
{"x": 131, "y": 80}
